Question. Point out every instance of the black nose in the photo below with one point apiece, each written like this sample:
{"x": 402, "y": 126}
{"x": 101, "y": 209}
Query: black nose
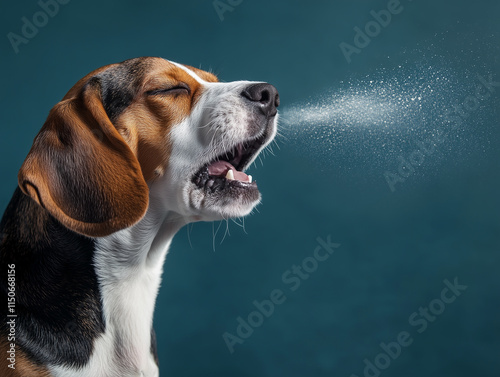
{"x": 265, "y": 96}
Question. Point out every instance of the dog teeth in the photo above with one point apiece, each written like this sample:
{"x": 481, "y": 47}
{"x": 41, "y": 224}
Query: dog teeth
{"x": 230, "y": 176}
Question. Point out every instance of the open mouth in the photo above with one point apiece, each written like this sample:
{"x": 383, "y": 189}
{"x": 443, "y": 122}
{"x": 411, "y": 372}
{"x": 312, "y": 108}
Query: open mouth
{"x": 227, "y": 170}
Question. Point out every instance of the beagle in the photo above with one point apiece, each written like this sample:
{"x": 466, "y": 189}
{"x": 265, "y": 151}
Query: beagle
{"x": 131, "y": 154}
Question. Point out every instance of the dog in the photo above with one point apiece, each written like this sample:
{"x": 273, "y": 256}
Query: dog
{"x": 132, "y": 153}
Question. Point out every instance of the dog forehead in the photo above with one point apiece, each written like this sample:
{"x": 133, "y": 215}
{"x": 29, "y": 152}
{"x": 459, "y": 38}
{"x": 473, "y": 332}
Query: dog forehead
{"x": 122, "y": 82}
{"x": 199, "y": 75}
{"x": 161, "y": 68}
{"x": 125, "y": 76}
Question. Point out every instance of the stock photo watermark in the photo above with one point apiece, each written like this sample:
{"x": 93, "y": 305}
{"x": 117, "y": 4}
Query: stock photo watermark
{"x": 292, "y": 278}
{"x": 372, "y": 29}
{"x": 31, "y": 26}
{"x": 11, "y": 316}
{"x": 11, "y": 320}
{"x": 454, "y": 117}
{"x": 223, "y": 6}
{"x": 419, "y": 321}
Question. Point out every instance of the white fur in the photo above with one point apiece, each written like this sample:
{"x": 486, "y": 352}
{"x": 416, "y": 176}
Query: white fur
{"x": 129, "y": 263}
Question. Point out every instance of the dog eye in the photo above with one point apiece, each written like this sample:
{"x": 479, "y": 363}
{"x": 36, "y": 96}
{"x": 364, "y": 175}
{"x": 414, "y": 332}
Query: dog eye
{"x": 172, "y": 90}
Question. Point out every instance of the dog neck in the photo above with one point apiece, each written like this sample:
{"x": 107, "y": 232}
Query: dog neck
{"x": 129, "y": 266}
{"x": 143, "y": 245}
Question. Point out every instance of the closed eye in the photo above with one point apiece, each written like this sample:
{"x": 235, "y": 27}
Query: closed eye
{"x": 171, "y": 90}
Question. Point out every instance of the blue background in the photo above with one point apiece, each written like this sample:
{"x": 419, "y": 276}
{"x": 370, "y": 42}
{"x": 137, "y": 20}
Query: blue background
{"x": 396, "y": 249}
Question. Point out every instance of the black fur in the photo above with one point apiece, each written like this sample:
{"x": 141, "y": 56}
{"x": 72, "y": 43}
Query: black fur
{"x": 119, "y": 85}
{"x": 58, "y": 304}
{"x": 154, "y": 348}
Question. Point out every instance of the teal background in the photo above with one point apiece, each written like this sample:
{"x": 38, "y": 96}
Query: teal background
{"x": 396, "y": 248}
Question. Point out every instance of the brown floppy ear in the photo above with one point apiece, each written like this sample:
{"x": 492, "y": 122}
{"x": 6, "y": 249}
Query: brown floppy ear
{"x": 82, "y": 171}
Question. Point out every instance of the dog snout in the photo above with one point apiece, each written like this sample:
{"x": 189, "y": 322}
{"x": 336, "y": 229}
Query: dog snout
{"x": 264, "y": 96}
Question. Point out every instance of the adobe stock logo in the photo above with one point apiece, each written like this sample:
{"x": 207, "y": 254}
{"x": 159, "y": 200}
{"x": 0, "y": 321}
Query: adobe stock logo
{"x": 454, "y": 119}
{"x": 419, "y": 320}
{"x": 372, "y": 29}
{"x": 222, "y": 7}
{"x": 31, "y": 27}
{"x": 292, "y": 280}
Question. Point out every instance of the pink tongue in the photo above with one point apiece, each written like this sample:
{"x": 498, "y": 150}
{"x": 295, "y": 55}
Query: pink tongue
{"x": 220, "y": 168}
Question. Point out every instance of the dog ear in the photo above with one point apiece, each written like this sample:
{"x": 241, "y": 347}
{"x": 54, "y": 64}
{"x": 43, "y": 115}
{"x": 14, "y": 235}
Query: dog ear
{"x": 82, "y": 171}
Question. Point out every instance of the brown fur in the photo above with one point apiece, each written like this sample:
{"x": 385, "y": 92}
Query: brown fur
{"x": 117, "y": 160}
{"x": 81, "y": 170}
{"x": 24, "y": 367}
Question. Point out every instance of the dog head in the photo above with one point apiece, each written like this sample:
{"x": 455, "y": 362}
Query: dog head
{"x": 149, "y": 129}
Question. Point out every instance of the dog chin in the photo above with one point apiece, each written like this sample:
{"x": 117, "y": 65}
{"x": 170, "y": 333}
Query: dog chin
{"x": 223, "y": 201}
{"x": 225, "y": 213}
